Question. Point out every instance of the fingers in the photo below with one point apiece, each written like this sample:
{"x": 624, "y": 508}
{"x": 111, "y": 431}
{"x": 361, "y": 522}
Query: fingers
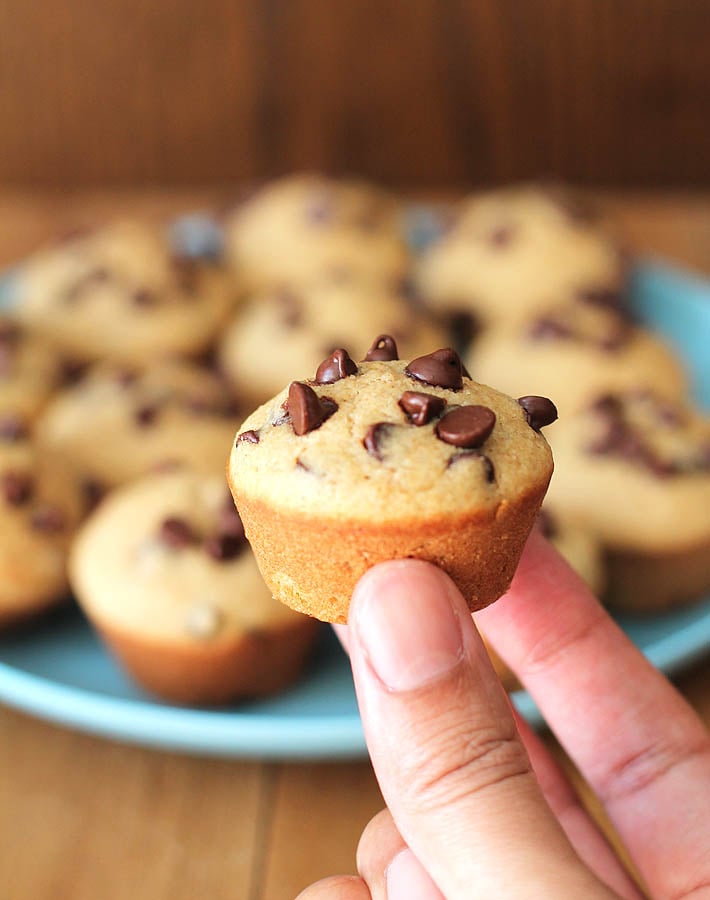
{"x": 339, "y": 887}
{"x": 639, "y": 745}
{"x": 389, "y": 868}
{"x": 444, "y": 745}
{"x": 585, "y": 837}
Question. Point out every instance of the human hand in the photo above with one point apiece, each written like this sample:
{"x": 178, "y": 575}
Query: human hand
{"x": 475, "y": 805}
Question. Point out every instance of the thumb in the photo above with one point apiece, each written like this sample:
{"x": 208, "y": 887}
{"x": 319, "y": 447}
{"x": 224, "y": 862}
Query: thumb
{"x": 451, "y": 765}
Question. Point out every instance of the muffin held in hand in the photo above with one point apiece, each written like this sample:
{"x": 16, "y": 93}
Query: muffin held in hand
{"x": 385, "y": 459}
{"x": 163, "y": 570}
{"x": 635, "y": 469}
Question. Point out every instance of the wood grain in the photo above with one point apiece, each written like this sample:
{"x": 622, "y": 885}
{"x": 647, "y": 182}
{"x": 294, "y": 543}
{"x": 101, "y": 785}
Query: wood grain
{"x": 411, "y": 91}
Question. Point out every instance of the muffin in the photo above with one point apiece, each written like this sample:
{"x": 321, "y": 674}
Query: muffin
{"x": 163, "y": 571}
{"x": 383, "y": 460}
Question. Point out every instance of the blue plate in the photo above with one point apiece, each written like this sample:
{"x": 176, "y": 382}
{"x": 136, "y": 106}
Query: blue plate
{"x": 61, "y": 672}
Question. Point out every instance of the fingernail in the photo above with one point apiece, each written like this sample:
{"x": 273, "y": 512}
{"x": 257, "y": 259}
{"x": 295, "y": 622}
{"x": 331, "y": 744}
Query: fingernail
{"x": 406, "y": 879}
{"x": 406, "y": 623}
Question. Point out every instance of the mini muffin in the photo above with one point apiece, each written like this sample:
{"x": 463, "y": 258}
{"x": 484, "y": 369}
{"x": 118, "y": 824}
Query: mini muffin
{"x": 635, "y": 469}
{"x": 383, "y": 460}
{"x": 307, "y": 323}
{"x": 163, "y": 571}
{"x": 578, "y": 352}
{"x": 39, "y": 511}
{"x": 510, "y": 253}
{"x": 117, "y": 424}
{"x": 29, "y": 371}
{"x": 122, "y": 293}
{"x": 298, "y": 227}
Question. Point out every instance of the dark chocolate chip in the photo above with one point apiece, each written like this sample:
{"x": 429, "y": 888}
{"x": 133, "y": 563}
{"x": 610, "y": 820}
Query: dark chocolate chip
{"x": 442, "y": 368}
{"x": 488, "y": 469}
{"x": 421, "y": 408}
{"x": 304, "y": 408}
{"x": 463, "y": 326}
{"x": 223, "y": 547}
{"x": 17, "y": 488}
{"x": 125, "y": 377}
{"x": 338, "y": 365}
{"x": 547, "y": 523}
{"x": 144, "y": 297}
{"x": 73, "y": 370}
{"x": 229, "y": 519}
{"x": 12, "y": 428}
{"x": 549, "y": 328}
{"x": 93, "y": 492}
{"x": 251, "y": 437}
{"x": 466, "y": 426}
{"x": 501, "y": 236}
{"x": 177, "y": 532}
{"x": 290, "y": 308}
{"x": 607, "y": 297}
{"x": 539, "y": 411}
{"x": 48, "y": 519}
{"x": 145, "y": 415}
{"x": 374, "y": 438}
{"x": 383, "y": 349}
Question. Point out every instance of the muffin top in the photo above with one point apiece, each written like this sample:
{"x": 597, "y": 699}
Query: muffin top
{"x": 391, "y": 440}
{"x": 166, "y": 556}
{"x": 635, "y": 467}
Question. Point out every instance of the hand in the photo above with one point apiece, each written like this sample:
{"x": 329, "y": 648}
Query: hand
{"x": 475, "y": 805}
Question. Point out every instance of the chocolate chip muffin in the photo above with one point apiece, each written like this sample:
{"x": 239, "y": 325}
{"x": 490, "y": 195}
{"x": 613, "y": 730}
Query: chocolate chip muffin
{"x": 386, "y": 459}
{"x": 122, "y": 293}
{"x": 298, "y": 227}
{"x": 29, "y": 372}
{"x": 635, "y": 469}
{"x": 163, "y": 570}
{"x": 117, "y": 424}
{"x": 283, "y": 334}
{"x": 510, "y": 253}
{"x": 578, "y": 351}
{"x": 39, "y": 511}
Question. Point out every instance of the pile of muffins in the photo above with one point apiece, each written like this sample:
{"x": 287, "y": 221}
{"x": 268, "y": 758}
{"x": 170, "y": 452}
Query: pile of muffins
{"x": 128, "y": 361}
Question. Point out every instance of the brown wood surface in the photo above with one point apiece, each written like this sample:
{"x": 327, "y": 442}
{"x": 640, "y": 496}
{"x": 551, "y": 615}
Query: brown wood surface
{"x": 82, "y": 818}
{"x": 408, "y": 91}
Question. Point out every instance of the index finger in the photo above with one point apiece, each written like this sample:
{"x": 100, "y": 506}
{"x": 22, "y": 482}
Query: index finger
{"x": 638, "y": 743}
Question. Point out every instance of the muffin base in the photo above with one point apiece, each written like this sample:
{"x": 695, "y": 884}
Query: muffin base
{"x": 312, "y": 564}
{"x": 250, "y": 665}
{"x": 640, "y": 583}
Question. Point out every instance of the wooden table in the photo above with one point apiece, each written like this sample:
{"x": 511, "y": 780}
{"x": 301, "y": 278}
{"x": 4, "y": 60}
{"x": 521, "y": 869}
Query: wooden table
{"x": 86, "y": 819}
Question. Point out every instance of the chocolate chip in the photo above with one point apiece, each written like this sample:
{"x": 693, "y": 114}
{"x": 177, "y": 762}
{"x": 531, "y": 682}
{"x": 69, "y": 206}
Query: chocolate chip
{"x": 223, "y": 547}
{"x": 125, "y": 377}
{"x": 73, "y": 371}
{"x": 442, "y": 368}
{"x": 463, "y": 326}
{"x": 290, "y": 308}
{"x": 383, "y": 349}
{"x": 144, "y": 297}
{"x": 607, "y": 297}
{"x": 9, "y": 332}
{"x": 145, "y": 415}
{"x": 48, "y": 519}
{"x": 488, "y": 469}
{"x": 548, "y": 327}
{"x": 375, "y": 436}
{"x": 320, "y": 208}
{"x": 305, "y": 408}
{"x": 17, "y": 488}
{"x": 338, "y": 365}
{"x": 251, "y": 437}
{"x": 501, "y": 236}
{"x": 547, "y": 524}
{"x": 177, "y": 533}
{"x": 421, "y": 408}
{"x": 230, "y": 521}
{"x": 93, "y": 492}
{"x": 539, "y": 411}
{"x": 12, "y": 428}
{"x": 466, "y": 426}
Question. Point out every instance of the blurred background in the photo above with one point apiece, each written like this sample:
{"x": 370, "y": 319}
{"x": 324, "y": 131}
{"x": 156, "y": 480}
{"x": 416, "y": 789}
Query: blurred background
{"x": 414, "y": 93}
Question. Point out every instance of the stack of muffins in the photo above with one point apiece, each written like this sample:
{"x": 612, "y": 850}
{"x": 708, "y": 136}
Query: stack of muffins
{"x": 126, "y": 366}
